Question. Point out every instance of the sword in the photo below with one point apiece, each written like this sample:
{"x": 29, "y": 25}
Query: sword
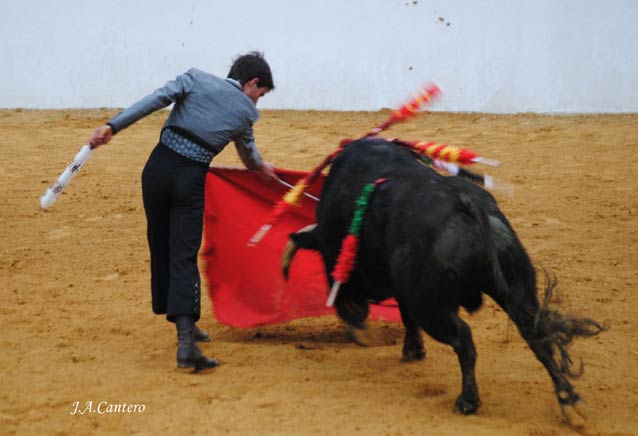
{"x": 53, "y": 192}
{"x": 288, "y": 185}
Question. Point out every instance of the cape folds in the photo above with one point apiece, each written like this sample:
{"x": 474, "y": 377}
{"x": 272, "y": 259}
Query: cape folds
{"x": 245, "y": 283}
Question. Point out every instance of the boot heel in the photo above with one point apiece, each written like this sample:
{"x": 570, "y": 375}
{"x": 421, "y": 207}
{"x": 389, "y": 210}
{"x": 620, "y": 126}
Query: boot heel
{"x": 206, "y": 364}
{"x": 185, "y": 365}
{"x": 189, "y": 356}
{"x": 185, "y": 370}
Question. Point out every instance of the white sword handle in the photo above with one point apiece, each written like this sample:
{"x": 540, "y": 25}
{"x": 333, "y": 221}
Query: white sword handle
{"x": 52, "y": 193}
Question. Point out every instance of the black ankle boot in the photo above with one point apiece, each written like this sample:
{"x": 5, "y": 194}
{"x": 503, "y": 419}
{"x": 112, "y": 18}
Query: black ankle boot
{"x": 201, "y": 335}
{"x": 188, "y": 354}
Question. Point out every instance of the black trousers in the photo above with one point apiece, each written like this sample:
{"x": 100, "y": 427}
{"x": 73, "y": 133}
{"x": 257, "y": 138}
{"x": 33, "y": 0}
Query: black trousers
{"x": 173, "y": 193}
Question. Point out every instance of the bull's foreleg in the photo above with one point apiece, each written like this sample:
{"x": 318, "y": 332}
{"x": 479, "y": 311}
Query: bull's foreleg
{"x": 413, "y": 348}
{"x": 351, "y": 302}
{"x": 449, "y": 329}
{"x": 353, "y": 308}
{"x": 354, "y": 312}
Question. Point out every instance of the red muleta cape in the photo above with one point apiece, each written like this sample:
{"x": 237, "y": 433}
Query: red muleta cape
{"x": 246, "y": 286}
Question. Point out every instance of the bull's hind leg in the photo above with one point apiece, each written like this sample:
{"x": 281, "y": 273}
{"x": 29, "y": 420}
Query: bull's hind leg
{"x": 567, "y": 396}
{"x": 548, "y": 333}
{"x": 448, "y": 328}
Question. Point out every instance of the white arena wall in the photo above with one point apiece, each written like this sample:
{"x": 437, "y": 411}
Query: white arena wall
{"x": 497, "y": 56}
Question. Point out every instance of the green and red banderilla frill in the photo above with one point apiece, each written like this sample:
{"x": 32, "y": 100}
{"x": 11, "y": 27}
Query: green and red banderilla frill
{"x": 350, "y": 244}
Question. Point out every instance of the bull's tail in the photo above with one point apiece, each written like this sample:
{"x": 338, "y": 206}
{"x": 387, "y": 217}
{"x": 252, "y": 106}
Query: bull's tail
{"x": 515, "y": 291}
{"x": 304, "y": 238}
{"x": 547, "y": 331}
{"x": 545, "y": 328}
{"x": 559, "y": 329}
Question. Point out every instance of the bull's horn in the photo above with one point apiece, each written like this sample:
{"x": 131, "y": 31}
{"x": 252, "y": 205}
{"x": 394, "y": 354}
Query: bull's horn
{"x": 291, "y": 249}
{"x": 286, "y": 258}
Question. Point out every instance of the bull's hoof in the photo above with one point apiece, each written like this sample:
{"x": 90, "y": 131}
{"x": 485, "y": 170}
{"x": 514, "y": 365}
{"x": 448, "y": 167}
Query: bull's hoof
{"x": 466, "y": 407}
{"x": 574, "y": 415}
{"x": 413, "y": 354}
{"x": 361, "y": 336}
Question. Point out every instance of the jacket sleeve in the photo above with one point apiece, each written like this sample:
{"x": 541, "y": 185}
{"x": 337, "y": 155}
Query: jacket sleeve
{"x": 171, "y": 92}
{"x": 247, "y": 150}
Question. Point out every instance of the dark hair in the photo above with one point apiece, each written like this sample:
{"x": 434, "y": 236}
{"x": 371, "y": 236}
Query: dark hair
{"x": 247, "y": 67}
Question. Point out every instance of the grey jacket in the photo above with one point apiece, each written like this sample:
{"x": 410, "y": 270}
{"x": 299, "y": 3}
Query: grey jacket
{"x": 209, "y": 110}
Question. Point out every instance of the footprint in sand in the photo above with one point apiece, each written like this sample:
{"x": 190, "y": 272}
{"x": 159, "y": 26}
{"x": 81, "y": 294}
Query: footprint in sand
{"x": 109, "y": 277}
{"x": 59, "y": 233}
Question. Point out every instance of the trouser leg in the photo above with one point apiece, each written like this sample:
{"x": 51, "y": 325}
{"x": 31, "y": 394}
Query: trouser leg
{"x": 186, "y": 224}
{"x": 157, "y": 208}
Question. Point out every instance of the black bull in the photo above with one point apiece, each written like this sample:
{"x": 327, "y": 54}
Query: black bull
{"x": 435, "y": 243}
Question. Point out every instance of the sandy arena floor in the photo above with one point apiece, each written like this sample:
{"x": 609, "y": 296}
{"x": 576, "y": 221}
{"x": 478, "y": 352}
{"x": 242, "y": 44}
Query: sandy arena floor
{"x": 77, "y": 326}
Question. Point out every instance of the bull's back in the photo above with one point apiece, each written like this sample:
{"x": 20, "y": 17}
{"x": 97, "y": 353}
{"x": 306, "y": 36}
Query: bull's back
{"x": 432, "y": 245}
{"x": 362, "y": 162}
{"x": 421, "y": 231}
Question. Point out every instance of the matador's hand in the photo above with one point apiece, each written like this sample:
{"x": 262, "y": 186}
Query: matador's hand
{"x": 101, "y": 136}
{"x": 268, "y": 170}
